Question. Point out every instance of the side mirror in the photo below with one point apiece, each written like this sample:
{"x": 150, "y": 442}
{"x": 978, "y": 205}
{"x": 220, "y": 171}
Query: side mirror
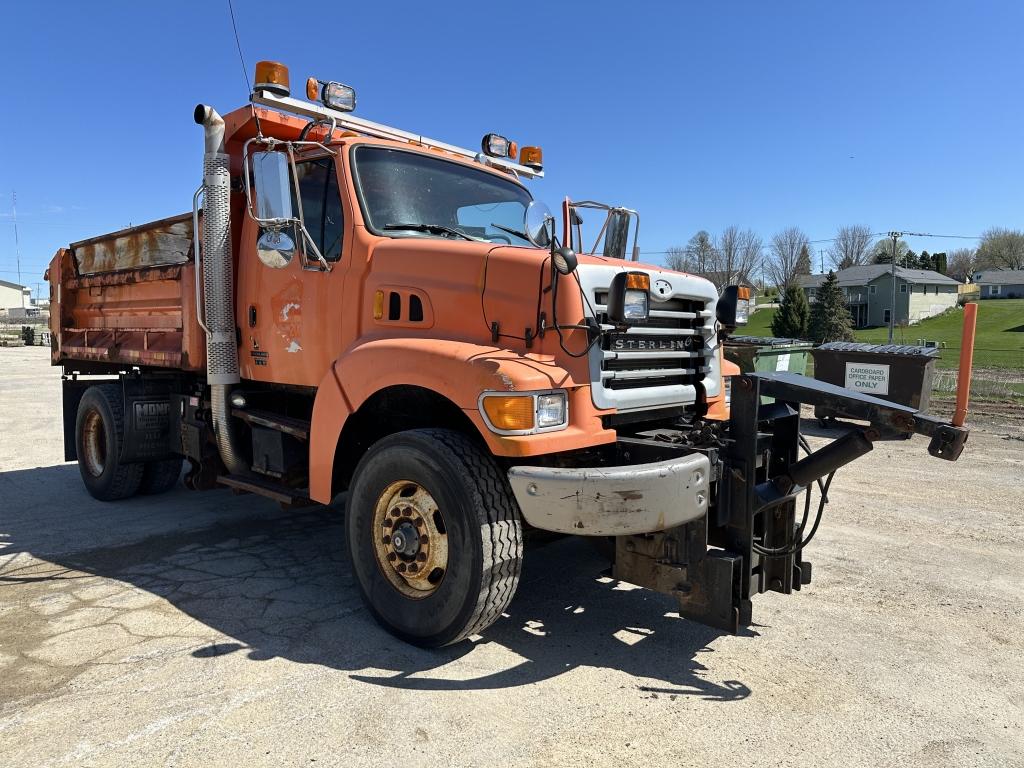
{"x": 275, "y": 248}
{"x": 536, "y": 221}
{"x": 273, "y": 188}
{"x": 616, "y": 235}
{"x": 733, "y": 307}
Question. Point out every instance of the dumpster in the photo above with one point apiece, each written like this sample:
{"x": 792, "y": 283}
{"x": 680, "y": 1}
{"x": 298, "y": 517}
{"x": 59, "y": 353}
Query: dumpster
{"x": 766, "y": 354}
{"x": 900, "y": 373}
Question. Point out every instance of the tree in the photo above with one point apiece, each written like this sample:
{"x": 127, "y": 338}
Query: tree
{"x": 782, "y": 266}
{"x": 700, "y": 252}
{"x": 735, "y": 256}
{"x": 851, "y": 246}
{"x": 830, "y": 319}
{"x": 803, "y": 263}
{"x": 676, "y": 260}
{"x": 792, "y": 317}
{"x": 729, "y": 259}
{"x": 1001, "y": 249}
{"x": 963, "y": 263}
{"x": 881, "y": 252}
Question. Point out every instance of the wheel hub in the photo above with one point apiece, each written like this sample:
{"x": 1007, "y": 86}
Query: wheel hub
{"x": 410, "y": 539}
{"x": 94, "y": 444}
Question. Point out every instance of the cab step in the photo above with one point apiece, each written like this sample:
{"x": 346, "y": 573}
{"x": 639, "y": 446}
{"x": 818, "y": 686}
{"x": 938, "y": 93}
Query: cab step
{"x": 282, "y": 494}
{"x": 298, "y": 428}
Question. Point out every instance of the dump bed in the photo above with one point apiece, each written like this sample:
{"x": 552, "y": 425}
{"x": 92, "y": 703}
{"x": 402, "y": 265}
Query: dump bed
{"x": 128, "y": 298}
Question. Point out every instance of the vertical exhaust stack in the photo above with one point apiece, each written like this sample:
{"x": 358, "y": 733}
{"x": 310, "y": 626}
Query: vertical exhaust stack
{"x": 218, "y": 285}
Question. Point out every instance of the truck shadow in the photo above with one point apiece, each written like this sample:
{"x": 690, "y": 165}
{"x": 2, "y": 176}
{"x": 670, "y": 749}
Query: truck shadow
{"x": 273, "y": 584}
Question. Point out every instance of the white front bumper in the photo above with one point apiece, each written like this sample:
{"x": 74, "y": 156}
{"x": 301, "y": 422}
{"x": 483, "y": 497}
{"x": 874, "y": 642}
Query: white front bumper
{"x": 613, "y": 501}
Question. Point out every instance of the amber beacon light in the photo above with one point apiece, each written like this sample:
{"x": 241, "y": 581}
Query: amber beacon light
{"x": 272, "y": 76}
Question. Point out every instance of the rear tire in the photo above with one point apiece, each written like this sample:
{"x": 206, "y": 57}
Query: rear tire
{"x": 160, "y": 476}
{"x": 99, "y": 435}
{"x": 461, "y": 550}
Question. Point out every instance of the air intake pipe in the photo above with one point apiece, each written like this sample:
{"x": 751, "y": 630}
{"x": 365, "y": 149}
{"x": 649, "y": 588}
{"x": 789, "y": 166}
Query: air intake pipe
{"x": 218, "y": 286}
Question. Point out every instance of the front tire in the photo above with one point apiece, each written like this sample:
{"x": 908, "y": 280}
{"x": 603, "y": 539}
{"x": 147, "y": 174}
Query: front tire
{"x": 435, "y": 536}
{"x": 99, "y": 435}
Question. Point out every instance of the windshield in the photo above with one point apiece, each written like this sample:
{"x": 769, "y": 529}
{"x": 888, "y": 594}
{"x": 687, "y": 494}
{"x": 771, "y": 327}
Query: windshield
{"x": 433, "y": 197}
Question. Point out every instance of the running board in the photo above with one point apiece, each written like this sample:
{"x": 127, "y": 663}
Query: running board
{"x": 279, "y": 493}
{"x": 298, "y": 428}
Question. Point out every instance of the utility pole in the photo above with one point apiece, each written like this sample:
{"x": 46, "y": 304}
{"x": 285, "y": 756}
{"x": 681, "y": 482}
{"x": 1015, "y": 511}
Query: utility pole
{"x": 892, "y": 272}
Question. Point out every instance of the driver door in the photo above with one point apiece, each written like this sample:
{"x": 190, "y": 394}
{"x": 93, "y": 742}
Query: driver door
{"x": 290, "y": 325}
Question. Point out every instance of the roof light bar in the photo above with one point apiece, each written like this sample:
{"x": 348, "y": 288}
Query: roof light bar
{"x": 377, "y": 130}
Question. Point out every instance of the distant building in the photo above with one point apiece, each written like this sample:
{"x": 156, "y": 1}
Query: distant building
{"x": 920, "y": 293}
{"x": 14, "y": 296}
{"x": 1000, "y": 283}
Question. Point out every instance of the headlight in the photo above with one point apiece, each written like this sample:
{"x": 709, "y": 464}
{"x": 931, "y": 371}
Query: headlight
{"x": 634, "y": 305}
{"x": 551, "y": 410}
{"x": 524, "y": 413}
{"x": 629, "y": 297}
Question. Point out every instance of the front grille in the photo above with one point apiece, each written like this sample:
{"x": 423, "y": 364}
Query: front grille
{"x": 669, "y": 349}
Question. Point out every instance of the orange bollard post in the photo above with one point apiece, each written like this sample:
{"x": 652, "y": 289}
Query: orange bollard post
{"x": 963, "y": 380}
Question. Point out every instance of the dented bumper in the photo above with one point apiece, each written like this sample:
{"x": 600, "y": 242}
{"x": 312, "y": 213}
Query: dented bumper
{"x": 613, "y": 501}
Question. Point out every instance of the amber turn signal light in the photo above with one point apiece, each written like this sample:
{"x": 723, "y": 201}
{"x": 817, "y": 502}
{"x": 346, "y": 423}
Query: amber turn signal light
{"x": 509, "y": 412}
{"x": 638, "y": 280}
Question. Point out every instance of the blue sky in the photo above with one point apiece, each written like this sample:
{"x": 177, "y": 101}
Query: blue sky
{"x": 701, "y": 115}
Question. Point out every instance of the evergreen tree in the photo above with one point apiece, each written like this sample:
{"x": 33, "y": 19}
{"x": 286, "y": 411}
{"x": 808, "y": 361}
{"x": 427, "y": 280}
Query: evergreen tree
{"x": 830, "y": 319}
{"x": 803, "y": 263}
{"x": 793, "y": 315}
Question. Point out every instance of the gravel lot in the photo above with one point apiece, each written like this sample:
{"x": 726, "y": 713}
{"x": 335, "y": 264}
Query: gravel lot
{"x": 212, "y": 629}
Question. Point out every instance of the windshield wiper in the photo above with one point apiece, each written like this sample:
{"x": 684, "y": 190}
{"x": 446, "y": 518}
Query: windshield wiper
{"x": 515, "y": 232}
{"x": 434, "y": 229}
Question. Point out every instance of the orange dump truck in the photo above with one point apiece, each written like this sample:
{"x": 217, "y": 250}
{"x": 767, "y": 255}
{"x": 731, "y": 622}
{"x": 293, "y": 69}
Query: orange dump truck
{"x": 354, "y": 308}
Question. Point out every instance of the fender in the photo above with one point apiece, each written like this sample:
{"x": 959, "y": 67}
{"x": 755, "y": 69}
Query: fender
{"x": 458, "y": 371}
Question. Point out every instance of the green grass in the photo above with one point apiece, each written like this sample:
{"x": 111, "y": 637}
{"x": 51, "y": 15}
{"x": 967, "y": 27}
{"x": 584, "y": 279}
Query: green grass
{"x": 998, "y": 343}
{"x": 759, "y": 324}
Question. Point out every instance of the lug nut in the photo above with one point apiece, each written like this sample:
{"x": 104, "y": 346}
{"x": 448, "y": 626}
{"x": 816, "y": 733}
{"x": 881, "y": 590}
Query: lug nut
{"x": 419, "y": 522}
{"x": 407, "y": 512}
{"x": 395, "y": 512}
{"x": 392, "y": 556}
{"x": 413, "y": 568}
{"x": 422, "y": 556}
{"x": 401, "y": 567}
{"x": 387, "y": 539}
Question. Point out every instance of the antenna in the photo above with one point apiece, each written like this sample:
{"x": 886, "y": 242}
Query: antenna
{"x": 245, "y": 70}
{"x": 17, "y": 243}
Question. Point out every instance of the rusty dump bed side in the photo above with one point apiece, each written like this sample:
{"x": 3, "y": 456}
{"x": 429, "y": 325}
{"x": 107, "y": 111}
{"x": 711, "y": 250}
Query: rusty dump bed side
{"x": 128, "y": 298}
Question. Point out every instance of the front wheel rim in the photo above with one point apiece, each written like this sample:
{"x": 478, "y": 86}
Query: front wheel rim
{"x": 410, "y": 539}
{"x": 94, "y": 444}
